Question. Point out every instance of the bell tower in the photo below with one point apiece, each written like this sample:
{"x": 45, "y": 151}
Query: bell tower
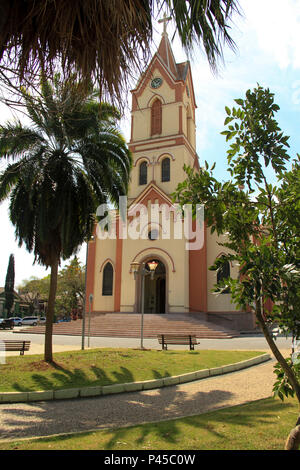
{"x": 163, "y": 130}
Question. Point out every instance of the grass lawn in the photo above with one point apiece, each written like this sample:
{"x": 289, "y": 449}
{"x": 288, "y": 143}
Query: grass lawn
{"x": 260, "y": 425}
{"x": 107, "y": 366}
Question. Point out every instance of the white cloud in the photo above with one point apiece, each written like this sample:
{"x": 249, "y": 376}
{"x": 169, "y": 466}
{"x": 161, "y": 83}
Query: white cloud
{"x": 24, "y": 268}
{"x": 268, "y": 42}
{"x": 276, "y": 27}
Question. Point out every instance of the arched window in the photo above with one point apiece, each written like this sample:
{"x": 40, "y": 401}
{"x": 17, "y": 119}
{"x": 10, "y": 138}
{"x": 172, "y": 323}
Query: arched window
{"x": 156, "y": 117}
{"x": 108, "y": 279}
{"x": 223, "y": 273}
{"x": 143, "y": 173}
{"x": 165, "y": 169}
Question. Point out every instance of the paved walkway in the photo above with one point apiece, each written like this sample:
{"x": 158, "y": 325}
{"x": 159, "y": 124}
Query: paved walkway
{"x": 20, "y": 420}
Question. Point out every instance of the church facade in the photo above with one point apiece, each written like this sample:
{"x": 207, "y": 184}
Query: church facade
{"x": 163, "y": 140}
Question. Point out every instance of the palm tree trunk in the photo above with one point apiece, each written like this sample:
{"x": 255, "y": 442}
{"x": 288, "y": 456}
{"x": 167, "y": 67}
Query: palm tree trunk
{"x": 50, "y": 312}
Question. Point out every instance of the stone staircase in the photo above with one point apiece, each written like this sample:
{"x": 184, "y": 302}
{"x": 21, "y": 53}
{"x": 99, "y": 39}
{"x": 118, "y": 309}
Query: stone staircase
{"x": 128, "y": 325}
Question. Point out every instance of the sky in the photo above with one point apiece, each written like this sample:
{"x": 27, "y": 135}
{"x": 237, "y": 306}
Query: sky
{"x": 267, "y": 36}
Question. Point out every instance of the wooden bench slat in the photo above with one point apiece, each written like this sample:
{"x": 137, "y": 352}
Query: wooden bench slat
{"x": 11, "y": 341}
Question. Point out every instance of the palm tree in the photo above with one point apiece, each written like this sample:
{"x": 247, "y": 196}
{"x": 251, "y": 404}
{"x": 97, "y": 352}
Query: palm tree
{"x": 104, "y": 39}
{"x": 9, "y": 289}
{"x": 71, "y": 159}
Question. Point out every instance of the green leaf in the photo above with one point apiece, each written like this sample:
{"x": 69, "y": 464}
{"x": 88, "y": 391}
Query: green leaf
{"x": 228, "y": 120}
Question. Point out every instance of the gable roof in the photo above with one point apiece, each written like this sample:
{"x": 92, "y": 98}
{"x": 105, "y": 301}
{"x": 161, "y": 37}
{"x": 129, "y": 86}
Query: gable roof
{"x": 177, "y": 72}
{"x": 165, "y": 54}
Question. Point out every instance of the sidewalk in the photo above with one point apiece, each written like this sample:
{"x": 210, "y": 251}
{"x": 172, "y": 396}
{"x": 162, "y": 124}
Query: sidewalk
{"x": 68, "y": 343}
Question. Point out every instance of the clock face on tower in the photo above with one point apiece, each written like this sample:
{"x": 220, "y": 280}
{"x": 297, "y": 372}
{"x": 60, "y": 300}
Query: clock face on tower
{"x": 156, "y": 82}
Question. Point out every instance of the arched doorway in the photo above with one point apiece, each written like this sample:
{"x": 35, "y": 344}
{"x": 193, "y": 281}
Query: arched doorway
{"x": 155, "y": 290}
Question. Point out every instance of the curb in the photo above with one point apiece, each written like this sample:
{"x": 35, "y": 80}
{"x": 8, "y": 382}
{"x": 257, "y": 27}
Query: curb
{"x": 84, "y": 392}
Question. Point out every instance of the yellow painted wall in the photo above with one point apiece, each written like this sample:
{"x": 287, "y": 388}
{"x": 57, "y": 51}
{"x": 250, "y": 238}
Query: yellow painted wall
{"x": 141, "y": 118}
{"x": 177, "y": 282}
{"x": 104, "y": 249}
{"x": 178, "y": 155}
{"x": 142, "y": 122}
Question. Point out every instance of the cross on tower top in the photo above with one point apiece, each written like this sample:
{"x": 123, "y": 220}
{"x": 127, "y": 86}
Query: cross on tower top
{"x": 165, "y": 20}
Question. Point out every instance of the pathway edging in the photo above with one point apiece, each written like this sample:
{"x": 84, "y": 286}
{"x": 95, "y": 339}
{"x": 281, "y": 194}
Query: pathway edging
{"x": 83, "y": 392}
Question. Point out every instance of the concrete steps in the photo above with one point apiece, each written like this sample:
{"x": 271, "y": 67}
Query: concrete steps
{"x": 129, "y": 326}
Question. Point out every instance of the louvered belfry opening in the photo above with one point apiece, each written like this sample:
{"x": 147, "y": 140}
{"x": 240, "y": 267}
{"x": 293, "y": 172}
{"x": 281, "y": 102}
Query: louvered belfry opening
{"x": 156, "y": 117}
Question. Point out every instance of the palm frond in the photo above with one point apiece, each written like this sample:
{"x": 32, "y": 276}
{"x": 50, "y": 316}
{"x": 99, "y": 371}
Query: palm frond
{"x": 205, "y": 23}
{"x": 99, "y": 39}
{"x": 104, "y": 41}
{"x": 16, "y": 140}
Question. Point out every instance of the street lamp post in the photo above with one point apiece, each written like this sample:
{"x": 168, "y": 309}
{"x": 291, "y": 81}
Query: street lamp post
{"x": 143, "y": 272}
{"x": 91, "y": 297}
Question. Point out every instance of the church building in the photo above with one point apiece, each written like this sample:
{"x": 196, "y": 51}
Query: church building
{"x": 163, "y": 140}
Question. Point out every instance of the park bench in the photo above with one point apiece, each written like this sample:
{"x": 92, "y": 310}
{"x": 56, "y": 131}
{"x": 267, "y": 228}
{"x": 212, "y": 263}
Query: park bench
{"x": 166, "y": 339}
{"x": 14, "y": 345}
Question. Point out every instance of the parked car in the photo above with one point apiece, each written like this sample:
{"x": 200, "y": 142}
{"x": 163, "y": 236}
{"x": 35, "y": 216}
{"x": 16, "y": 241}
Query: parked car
{"x": 17, "y": 320}
{"x": 42, "y": 320}
{"x": 6, "y": 323}
{"x": 30, "y": 321}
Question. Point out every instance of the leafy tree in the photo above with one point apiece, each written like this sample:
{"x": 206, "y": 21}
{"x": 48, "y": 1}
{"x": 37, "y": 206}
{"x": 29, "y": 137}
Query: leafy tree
{"x": 261, "y": 222}
{"x": 33, "y": 291}
{"x": 35, "y": 286}
{"x": 70, "y": 288}
{"x": 103, "y": 39}
{"x": 71, "y": 159}
{"x": 10, "y": 285}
